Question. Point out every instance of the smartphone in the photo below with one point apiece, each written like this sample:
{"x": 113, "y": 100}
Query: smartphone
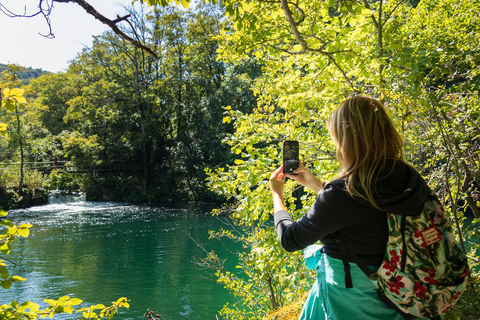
{"x": 290, "y": 156}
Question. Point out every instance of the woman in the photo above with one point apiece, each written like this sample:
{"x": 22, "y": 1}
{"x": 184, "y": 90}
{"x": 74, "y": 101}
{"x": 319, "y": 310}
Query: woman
{"x": 374, "y": 179}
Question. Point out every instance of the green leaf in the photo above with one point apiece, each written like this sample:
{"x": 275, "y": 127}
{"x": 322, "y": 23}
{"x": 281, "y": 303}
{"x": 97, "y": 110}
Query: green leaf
{"x": 63, "y": 299}
{"x": 30, "y": 305}
{"x": 6, "y": 284}
{"x": 4, "y": 272}
{"x": 21, "y": 99}
{"x": 9, "y": 104}
{"x": 75, "y": 301}
{"x": 6, "y": 223}
{"x": 227, "y": 119}
{"x": 5, "y": 248}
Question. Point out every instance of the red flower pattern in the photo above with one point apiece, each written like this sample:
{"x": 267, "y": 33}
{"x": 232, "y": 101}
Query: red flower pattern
{"x": 390, "y": 267}
{"x": 395, "y": 284}
{"x": 395, "y": 259}
{"x": 431, "y": 276}
{"x": 419, "y": 290}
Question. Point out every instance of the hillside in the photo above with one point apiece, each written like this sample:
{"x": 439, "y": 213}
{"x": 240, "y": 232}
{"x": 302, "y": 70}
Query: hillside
{"x": 26, "y": 74}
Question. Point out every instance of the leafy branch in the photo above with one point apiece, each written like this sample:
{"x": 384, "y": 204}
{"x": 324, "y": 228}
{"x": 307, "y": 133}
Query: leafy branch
{"x": 303, "y": 43}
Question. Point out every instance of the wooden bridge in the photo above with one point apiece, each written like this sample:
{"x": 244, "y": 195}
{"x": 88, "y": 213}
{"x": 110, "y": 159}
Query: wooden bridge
{"x": 47, "y": 167}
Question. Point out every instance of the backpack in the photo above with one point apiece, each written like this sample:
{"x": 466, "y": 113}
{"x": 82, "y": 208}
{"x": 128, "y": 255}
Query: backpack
{"x": 424, "y": 272}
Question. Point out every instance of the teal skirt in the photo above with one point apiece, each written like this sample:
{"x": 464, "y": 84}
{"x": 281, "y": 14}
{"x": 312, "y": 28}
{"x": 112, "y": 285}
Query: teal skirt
{"x": 330, "y": 300}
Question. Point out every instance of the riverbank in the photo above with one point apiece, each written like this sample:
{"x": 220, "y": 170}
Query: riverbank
{"x": 20, "y": 198}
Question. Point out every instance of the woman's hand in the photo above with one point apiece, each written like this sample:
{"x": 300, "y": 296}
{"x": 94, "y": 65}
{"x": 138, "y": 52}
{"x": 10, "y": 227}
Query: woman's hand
{"x": 277, "y": 184}
{"x": 306, "y": 178}
{"x": 277, "y": 181}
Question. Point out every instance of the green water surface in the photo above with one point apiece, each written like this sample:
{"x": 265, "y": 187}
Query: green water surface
{"x": 99, "y": 252}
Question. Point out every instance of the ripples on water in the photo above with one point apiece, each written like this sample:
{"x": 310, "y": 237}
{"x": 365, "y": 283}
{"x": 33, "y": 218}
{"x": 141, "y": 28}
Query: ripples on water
{"x": 100, "y": 252}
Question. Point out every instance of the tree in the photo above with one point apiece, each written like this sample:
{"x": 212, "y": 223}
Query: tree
{"x": 317, "y": 53}
{"x": 11, "y": 100}
{"x": 161, "y": 117}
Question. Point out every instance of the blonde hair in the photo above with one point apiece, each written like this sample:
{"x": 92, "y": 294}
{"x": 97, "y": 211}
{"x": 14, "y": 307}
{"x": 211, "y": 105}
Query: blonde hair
{"x": 365, "y": 137}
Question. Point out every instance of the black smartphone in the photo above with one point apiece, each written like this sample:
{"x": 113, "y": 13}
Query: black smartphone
{"x": 290, "y": 156}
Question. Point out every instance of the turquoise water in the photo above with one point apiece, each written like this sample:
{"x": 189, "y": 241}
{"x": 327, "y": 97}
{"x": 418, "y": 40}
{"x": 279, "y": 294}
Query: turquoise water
{"x": 99, "y": 252}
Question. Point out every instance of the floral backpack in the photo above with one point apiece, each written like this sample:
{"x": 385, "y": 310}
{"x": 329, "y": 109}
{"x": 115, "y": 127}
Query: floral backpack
{"x": 424, "y": 272}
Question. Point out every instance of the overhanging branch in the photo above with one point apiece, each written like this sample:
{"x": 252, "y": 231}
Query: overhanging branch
{"x": 45, "y": 8}
{"x": 111, "y": 23}
{"x": 303, "y": 43}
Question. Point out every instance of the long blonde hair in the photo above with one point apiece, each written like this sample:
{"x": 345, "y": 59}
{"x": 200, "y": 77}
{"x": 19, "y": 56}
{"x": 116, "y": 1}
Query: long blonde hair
{"x": 365, "y": 137}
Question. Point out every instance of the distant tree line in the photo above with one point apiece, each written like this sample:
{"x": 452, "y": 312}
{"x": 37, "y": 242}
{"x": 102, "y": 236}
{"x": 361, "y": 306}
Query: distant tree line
{"x": 149, "y": 127}
{"x": 25, "y": 74}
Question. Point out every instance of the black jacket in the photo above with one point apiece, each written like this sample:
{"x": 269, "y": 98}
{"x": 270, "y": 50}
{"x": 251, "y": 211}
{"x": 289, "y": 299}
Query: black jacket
{"x": 363, "y": 227}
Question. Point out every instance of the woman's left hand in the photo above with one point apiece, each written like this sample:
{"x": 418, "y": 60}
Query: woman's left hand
{"x": 277, "y": 181}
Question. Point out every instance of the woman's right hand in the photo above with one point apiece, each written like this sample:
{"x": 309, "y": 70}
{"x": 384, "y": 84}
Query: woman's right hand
{"x": 306, "y": 178}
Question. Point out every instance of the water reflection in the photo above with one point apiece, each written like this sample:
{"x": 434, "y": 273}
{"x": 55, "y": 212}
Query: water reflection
{"x": 100, "y": 252}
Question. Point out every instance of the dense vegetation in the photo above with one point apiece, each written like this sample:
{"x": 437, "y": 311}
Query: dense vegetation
{"x": 421, "y": 59}
{"x": 25, "y": 74}
{"x": 267, "y": 71}
{"x": 148, "y": 127}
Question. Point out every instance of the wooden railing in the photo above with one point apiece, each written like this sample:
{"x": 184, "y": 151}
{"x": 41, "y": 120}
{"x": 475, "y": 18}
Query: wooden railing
{"x": 47, "y": 167}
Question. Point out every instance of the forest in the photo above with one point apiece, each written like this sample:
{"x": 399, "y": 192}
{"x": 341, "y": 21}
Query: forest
{"x": 25, "y": 74}
{"x": 155, "y": 123}
{"x": 204, "y": 121}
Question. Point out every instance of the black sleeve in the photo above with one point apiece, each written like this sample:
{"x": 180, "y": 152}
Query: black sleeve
{"x": 323, "y": 218}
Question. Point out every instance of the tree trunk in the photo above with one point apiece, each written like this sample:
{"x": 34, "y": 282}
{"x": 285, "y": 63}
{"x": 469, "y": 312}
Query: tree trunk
{"x": 20, "y": 142}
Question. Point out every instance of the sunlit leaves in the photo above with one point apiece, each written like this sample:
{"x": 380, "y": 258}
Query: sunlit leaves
{"x": 11, "y": 232}
{"x": 164, "y": 3}
{"x": 426, "y": 71}
{"x": 12, "y": 96}
{"x": 9, "y": 98}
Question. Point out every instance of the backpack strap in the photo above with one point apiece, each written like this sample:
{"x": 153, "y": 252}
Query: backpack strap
{"x": 346, "y": 256}
{"x": 404, "y": 244}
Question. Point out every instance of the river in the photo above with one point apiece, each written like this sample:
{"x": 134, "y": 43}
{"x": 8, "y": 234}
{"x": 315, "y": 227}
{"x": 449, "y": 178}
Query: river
{"x": 99, "y": 252}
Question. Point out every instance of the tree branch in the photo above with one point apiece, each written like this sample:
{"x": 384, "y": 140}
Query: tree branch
{"x": 293, "y": 25}
{"x": 304, "y": 45}
{"x": 45, "y": 9}
{"x": 375, "y": 22}
{"x": 388, "y": 16}
{"x": 111, "y": 23}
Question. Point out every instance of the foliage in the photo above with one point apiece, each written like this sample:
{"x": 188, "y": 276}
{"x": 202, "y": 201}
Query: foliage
{"x": 20, "y": 121}
{"x": 10, "y": 97}
{"x": 30, "y": 310}
{"x": 157, "y": 122}
{"x": 184, "y": 3}
{"x": 26, "y": 74}
{"x": 33, "y": 180}
{"x": 314, "y": 55}
{"x": 260, "y": 284}
{"x": 63, "y": 181}
{"x": 467, "y": 307}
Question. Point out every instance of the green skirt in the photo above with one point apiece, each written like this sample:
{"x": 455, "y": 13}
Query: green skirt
{"x": 330, "y": 300}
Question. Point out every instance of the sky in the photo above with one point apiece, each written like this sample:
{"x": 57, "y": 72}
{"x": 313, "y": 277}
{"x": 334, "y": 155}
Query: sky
{"x": 21, "y": 42}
